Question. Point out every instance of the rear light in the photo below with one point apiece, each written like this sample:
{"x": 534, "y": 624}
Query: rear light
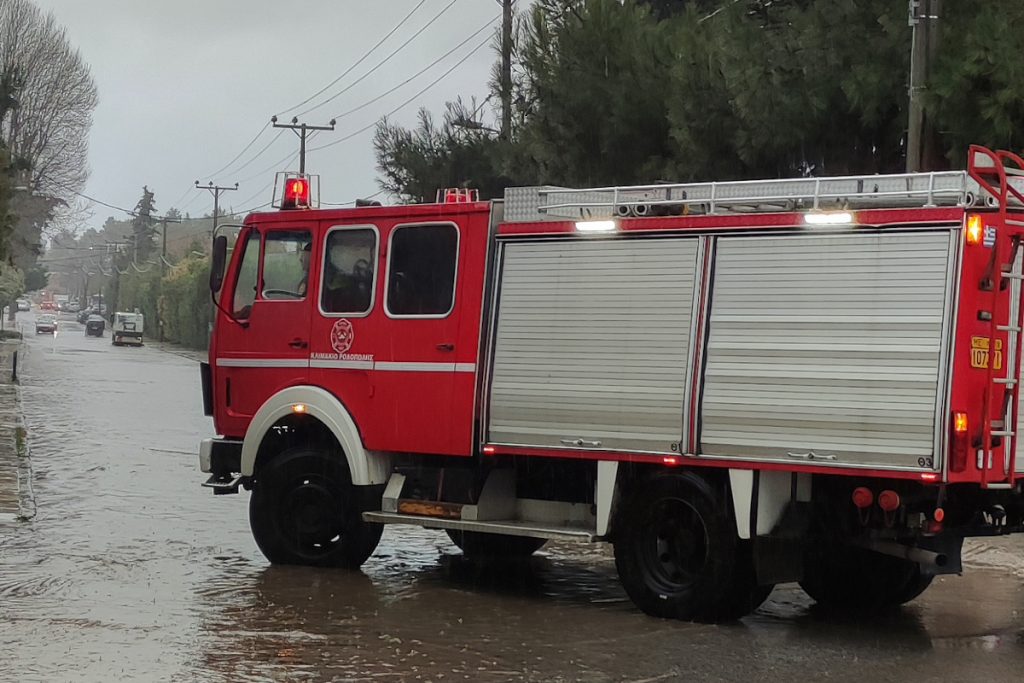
{"x": 863, "y": 497}
{"x": 939, "y": 515}
{"x": 959, "y": 443}
{"x": 889, "y": 501}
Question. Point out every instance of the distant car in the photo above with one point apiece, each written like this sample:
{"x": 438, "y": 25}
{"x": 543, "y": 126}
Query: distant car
{"x": 127, "y": 329}
{"x": 72, "y": 307}
{"x": 83, "y": 315}
{"x": 47, "y": 306}
{"x": 23, "y": 305}
{"x": 94, "y": 325}
{"x": 46, "y": 324}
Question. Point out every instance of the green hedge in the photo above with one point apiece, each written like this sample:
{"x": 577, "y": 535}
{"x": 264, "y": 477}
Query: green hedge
{"x": 185, "y": 304}
{"x": 180, "y": 299}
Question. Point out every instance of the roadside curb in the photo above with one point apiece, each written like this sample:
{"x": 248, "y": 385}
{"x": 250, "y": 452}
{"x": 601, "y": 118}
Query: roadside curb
{"x": 15, "y": 462}
{"x": 26, "y": 493}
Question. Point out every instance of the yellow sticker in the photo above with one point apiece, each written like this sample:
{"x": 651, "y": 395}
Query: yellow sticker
{"x": 980, "y": 351}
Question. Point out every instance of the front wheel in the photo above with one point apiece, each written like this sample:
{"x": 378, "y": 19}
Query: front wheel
{"x": 678, "y": 554}
{"x": 304, "y": 510}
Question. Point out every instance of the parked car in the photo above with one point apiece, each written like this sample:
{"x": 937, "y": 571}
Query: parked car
{"x": 46, "y": 324}
{"x": 23, "y": 304}
{"x": 72, "y": 307}
{"x": 94, "y": 325}
{"x": 83, "y": 315}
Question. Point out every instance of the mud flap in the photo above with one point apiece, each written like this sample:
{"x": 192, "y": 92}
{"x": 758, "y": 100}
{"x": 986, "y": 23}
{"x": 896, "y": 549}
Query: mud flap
{"x": 779, "y": 556}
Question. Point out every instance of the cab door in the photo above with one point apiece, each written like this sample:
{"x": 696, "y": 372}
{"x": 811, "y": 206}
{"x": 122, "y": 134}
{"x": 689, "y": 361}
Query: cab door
{"x": 416, "y": 371}
{"x": 268, "y": 349}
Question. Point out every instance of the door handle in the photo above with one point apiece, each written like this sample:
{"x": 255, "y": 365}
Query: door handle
{"x": 446, "y": 347}
{"x": 298, "y": 343}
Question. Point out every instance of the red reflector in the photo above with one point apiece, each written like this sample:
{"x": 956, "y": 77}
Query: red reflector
{"x": 863, "y": 497}
{"x": 939, "y": 515}
{"x": 670, "y": 460}
{"x": 888, "y": 500}
{"x": 489, "y": 450}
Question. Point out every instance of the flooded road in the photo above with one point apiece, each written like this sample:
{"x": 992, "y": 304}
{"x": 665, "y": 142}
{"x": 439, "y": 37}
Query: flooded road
{"x": 131, "y": 571}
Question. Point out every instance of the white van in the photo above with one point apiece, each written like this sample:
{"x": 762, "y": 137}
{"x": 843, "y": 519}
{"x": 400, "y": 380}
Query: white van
{"x": 127, "y": 329}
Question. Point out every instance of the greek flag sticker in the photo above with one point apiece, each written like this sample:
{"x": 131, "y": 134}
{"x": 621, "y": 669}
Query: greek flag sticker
{"x": 990, "y": 236}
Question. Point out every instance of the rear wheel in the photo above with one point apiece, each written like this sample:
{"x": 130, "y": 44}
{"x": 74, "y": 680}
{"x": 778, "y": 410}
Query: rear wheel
{"x": 477, "y": 545}
{"x": 848, "y": 577}
{"x": 678, "y": 555}
{"x": 305, "y": 510}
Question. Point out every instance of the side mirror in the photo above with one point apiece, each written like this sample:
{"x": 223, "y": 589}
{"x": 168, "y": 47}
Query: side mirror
{"x": 220, "y": 257}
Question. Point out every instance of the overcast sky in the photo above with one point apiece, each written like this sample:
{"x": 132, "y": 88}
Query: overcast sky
{"x": 184, "y": 85}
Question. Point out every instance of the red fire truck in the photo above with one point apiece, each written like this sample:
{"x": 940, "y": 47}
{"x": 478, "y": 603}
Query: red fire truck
{"x": 736, "y": 384}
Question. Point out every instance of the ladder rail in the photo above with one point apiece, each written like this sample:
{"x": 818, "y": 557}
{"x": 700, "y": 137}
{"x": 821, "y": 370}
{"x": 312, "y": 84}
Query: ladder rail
{"x": 984, "y": 166}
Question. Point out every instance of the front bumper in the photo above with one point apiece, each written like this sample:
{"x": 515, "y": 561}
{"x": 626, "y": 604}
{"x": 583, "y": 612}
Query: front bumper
{"x": 222, "y": 459}
{"x": 220, "y": 456}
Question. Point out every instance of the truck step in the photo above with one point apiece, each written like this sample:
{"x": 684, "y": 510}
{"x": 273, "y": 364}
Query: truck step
{"x": 507, "y": 527}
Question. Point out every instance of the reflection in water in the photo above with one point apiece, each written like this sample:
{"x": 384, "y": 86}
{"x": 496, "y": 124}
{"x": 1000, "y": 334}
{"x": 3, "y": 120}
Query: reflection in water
{"x": 131, "y": 571}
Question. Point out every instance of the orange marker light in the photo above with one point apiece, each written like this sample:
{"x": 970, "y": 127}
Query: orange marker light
{"x": 960, "y": 423}
{"x": 298, "y": 408}
{"x": 975, "y": 229}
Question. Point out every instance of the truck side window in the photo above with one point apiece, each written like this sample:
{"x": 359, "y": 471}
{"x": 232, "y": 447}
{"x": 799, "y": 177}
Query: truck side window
{"x": 421, "y": 270}
{"x": 349, "y": 266}
{"x": 245, "y": 286}
{"x": 286, "y": 256}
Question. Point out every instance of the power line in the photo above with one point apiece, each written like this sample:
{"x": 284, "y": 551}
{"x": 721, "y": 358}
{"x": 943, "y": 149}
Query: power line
{"x": 403, "y": 105}
{"x": 358, "y": 62}
{"x": 420, "y": 72}
{"x": 382, "y": 62}
{"x": 260, "y": 153}
{"x": 239, "y": 155}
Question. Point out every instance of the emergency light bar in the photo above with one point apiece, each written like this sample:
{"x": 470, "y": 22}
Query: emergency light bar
{"x": 297, "y": 191}
{"x": 457, "y": 195}
{"x": 296, "y": 194}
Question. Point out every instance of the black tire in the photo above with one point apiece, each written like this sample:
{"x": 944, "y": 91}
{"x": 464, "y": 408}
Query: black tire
{"x": 851, "y": 578}
{"x": 475, "y": 545}
{"x": 304, "y": 510}
{"x": 678, "y": 554}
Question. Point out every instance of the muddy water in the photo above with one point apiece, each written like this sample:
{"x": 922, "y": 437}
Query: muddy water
{"x": 131, "y": 571}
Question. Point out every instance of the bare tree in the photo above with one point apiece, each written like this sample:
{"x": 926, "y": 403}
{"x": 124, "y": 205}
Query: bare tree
{"x": 47, "y": 128}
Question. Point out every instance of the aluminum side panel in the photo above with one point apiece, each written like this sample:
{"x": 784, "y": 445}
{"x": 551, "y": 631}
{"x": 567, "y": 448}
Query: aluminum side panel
{"x": 592, "y": 344}
{"x": 827, "y": 345}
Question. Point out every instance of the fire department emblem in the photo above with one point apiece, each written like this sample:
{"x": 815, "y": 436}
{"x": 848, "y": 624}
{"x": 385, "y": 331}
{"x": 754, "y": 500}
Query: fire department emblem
{"x": 342, "y": 336}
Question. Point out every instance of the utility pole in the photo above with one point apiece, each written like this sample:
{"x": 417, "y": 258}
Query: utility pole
{"x": 163, "y": 239}
{"x": 506, "y": 69}
{"x": 924, "y": 23}
{"x": 216, "y": 191}
{"x": 302, "y": 130}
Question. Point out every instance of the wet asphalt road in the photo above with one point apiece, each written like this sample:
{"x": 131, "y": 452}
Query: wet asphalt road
{"x": 131, "y": 571}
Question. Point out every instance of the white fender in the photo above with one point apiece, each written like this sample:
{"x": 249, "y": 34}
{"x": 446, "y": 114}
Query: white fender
{"x": 366, "y": 467}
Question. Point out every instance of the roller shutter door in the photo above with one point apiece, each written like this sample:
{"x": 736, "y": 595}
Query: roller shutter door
{"x": 592, "y": 344}
{"x": 828, "y": 345}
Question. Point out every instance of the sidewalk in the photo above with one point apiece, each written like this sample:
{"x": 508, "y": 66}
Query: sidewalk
{"x": 14, "y": 498}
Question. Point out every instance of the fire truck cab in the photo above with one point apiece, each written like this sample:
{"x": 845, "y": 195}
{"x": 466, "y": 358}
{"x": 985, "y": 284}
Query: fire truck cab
{"x": 736, "y": 384}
